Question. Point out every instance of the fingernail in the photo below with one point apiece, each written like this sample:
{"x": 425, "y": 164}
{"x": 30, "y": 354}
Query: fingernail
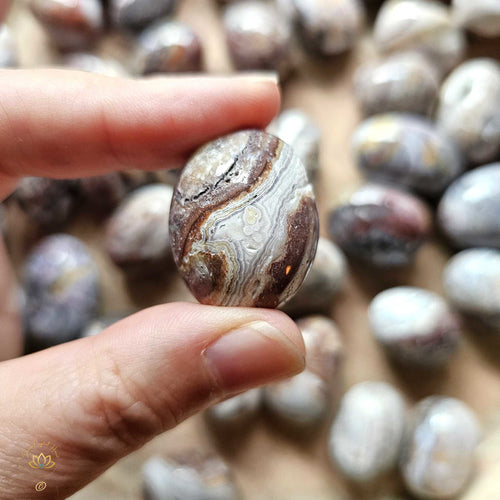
{"x": 260, "y": 76}
{"x": 252, "y": 355}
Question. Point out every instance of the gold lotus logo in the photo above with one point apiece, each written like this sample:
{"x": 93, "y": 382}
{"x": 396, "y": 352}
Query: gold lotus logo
{"x": 41, "y": 462}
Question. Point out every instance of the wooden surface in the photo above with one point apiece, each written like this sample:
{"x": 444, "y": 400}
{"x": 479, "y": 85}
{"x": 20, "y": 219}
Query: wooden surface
{"x": 268, "y": 464}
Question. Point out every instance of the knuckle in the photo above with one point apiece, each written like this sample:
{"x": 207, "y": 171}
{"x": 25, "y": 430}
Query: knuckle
{"x": 127, "y": 415}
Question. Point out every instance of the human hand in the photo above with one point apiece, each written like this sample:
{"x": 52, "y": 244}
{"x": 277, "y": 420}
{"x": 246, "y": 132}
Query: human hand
{"x": 99, "y": 398}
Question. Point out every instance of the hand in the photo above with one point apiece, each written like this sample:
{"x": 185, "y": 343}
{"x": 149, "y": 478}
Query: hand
{"x": 100, "y": 398}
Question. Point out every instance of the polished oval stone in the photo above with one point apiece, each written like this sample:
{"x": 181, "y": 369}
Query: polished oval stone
{"x": 71, "y": 24}
{"x": 137, "y": 235}
{"x": 169, "y": 47}
{"x": 366, "y": 434}
{"x": 416, "y": 326}
{"x": 305, "y": 400}
{"x": 188, "y": 476}
{"x": 48, "y": 204}
{"x": 404, "y": 82}
{"x": 236, "y": 412}
{"x": 322, "y": 283}
{"x": 137, "y": 14}
{"x": 257, "y": 36}
{"x": 380, "y": 225}
{"x": 294, "y": 127}
{"x": 469, "y": 109}
{"x": 62, "y": 291}
{"x": 406, "y": 150}
{"x": 425, "y": 26}
{"x": 471, "y": 281}
{"x": 482, "y": 17}
{"x": 102, "y": 193}
{"x": 469, "y": 209}
{"x": 438, "y": 450}
{"x": 8, "y": 48}
{"x": 326, "y": 28}
{"x": 243, "y": 222}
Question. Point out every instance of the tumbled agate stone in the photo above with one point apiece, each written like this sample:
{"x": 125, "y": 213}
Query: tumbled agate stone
{"x": 303, "y": 401}
{"x": 188, "y": 476}
{"x": 243, "y": 221}
{"x": 235, "y": 412}
{"x": 61, "y": 284}
{"x": 406, "y": 150}
{"x": 257, "y": 36}
{"x": 416, "y": 326}
{"x": 423, "y": 25}
{"x": 323, "y": 281}
{"x": 71, "y": 24}
{"x": 366, "y": 435}
{"x": 404, "y": 82}
{"x": 137, "y": 14}
{"x": 482, "y": 17}
{"x": 471, "y": 281}
{"x": 169, "y": 47}
{"x": 469, "y": 109}
{"x": 8, "y": 48}
{"x": 469, "y": 211}
{"x": 380, "y": 225}
{"x": 298, "y": 130}
{"x": 438, "y": 449}
{"x": 137, "y": 235}
{"x": 48, "y": 203}
{"x": 326, "y": 28}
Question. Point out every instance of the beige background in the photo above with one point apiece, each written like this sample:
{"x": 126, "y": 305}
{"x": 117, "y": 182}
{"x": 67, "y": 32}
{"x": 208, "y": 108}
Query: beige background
{"x": 266, "y": 463}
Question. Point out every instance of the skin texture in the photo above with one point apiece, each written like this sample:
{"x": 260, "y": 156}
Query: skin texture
{"x": 99, "y": 398}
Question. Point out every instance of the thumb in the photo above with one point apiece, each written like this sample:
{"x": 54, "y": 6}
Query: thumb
{"x": 97, "y": 399}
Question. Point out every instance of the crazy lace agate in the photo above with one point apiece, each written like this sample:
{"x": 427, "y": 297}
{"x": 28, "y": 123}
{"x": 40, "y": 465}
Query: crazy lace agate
{"x": 243, "y": 221}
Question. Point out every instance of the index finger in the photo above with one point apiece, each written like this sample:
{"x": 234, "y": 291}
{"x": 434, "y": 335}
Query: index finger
{"x": 63, "y": 124}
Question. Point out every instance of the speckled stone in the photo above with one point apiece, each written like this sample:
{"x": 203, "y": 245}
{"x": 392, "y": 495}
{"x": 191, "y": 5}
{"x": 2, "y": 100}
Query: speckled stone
{"x": 8, "y": 48}
{"x": 323, "y": 281}
{"x": 407, "y": 150}
{"x": 236, "y": 412}
{"x": 49, "y": 204}
{"x": 137, "y": 236}
{"x": 469, "y": 109}
{"x": 192, "y": 476}
{"x": 84, "y": 61}
{"x": 243, "y": 222}
{"x": 472, "y": 284}
{"x": 469, "y": 209}
{"x": 102, "y": 193}
{"x": 62, "y": 291}
{"x": 403, "y": 82}
{"x": 416, "y": 326}
{"x": 258, "y": 37}
{"x": 366, "y": 435}
{"x": 71, "y": 24}
{"x": 294, "y": 127}
{"x": 137, "y": 14}
{"x": 438, "y": 450}
{"x": 325, "y": 28}
{"x": 380, "y": 225}
{"x": 169, "y": 47}
{"x": 306, "y": 399}
{"x": 423, "y": 25}
{"x": 482, "y": 17}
